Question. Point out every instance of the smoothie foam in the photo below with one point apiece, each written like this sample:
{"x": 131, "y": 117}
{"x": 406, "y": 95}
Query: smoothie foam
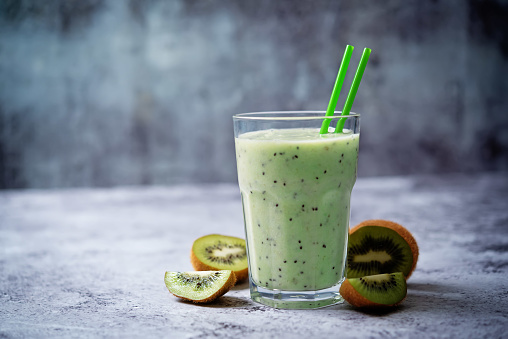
{"x": 296, "y": 186}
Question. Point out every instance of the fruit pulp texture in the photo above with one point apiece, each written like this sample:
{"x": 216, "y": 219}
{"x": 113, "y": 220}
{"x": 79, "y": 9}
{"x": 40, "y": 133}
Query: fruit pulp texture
{"x": 296, "y": 186}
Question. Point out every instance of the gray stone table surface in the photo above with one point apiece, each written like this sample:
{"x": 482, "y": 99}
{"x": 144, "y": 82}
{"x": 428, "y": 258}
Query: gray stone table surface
{"x": 91, "y": 262}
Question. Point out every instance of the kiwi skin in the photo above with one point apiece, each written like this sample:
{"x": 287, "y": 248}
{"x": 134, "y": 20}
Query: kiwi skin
{"x": 200, "y": 266}
{"x": 225, "y": 288}
{"x": 401, "y": 230}
{"x": 349, "y": 293}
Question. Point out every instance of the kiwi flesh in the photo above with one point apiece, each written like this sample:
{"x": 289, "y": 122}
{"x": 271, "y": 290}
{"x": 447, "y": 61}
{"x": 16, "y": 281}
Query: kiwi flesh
{"x": 199, "y": 287}
{"x": 220, "y": 252}
{"x": 380, "y": 246}
{"x": 375, "y": 291}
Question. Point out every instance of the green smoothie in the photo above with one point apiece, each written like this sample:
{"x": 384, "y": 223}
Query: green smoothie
{"x": 296, "y": 186}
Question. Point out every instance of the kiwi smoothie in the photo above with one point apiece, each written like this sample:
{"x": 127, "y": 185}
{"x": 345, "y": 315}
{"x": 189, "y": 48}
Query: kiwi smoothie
{"x": 296, "y": 186}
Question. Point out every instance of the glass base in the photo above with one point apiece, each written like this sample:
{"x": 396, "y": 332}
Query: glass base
{"x": 296, "y": 299}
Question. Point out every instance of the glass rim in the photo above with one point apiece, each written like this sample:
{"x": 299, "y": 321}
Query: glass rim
{"x": 293, "y": 115}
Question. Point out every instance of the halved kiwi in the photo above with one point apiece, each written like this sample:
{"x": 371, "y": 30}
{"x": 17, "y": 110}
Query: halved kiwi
{"x": 375, "y": 290}
{"x": 199, "y": 287}
{"x": 220, "y": 252}
{"x": 380, "y": 246}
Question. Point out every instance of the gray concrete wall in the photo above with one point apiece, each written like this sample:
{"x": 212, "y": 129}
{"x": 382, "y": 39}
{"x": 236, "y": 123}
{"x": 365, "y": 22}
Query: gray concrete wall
{"x": 106, "y": 92}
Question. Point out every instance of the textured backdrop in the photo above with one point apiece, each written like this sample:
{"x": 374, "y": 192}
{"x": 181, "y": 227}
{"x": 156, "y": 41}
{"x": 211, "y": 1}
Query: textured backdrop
{"x": 104, "y": 93}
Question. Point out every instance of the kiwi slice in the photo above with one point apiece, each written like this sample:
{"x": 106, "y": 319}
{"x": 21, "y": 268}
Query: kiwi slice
{"x": 380, "y": 246}
{"x": 199, "y": 287}
{"x": 220, "y": 252}
{"x": 375, "y": 290}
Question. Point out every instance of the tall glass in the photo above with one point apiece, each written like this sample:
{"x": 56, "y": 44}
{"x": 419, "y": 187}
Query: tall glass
{"x": 296, "y": 187}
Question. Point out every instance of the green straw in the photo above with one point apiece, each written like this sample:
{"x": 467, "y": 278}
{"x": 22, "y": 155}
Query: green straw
{"x": 354, "y": 88}
{"x": 337, "y": 87}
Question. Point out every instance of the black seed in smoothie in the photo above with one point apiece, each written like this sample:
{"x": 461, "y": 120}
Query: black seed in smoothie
{"x": 340, "y": 160}
{"x": 280, "y": 270}
{"x": 324, "y": 246}
{"x": 284, "y": 184}
{"x": 285, "y": 261}
{"x": 304, "y": 262}
{"x": 261, "y": 244}
{"x": 317, "y": 178}
{"x": 297, "y": 147}
{"x": 274, "y": 154}
{"x": 259, "y": 268}
{"x": 250, "y": 192}
{"x": 266, "y": 284}
{"x": 302, "y": 180}
{"x": 305, "y": 286}
{"x": 267, "y": 256}
{"x": 280, "y": 276}
{"x": 300, "y": 247}
{"x": 321, "y": 225}
{"x": 296, "y": 261}
{"x": 290, "y": 219}
{"x": 299, "y": 241}
{"x": 282, "y": 153}
{"x": 324, "y": 172}
{"x": 301, "y": 272}
{"x": 275, "y": 181}
{"x": 263, "y": 173}
{"x": 342, "y": 155}
{"x": 276, "y": 205}
{"x": 333, "y": 267}
{"x": 259, "y": 225}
